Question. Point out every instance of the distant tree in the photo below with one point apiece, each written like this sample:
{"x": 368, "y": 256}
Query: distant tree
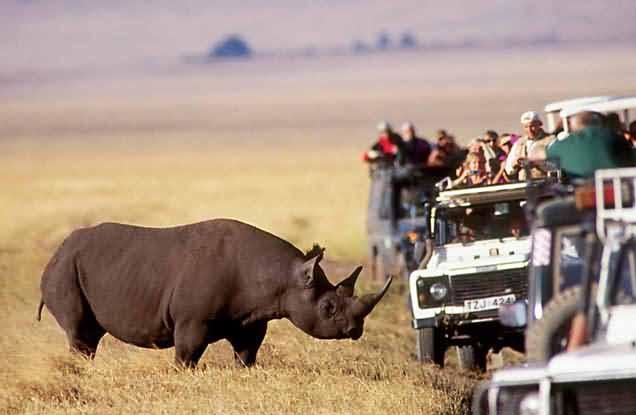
{"x": 408, "y": 41}
{"x": 359, "y": 47}
{"x": 383, "y": 42}
{"x": 233, "y": 46}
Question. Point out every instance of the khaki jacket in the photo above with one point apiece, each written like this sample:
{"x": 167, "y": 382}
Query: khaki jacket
{"x": 523, "y": 148}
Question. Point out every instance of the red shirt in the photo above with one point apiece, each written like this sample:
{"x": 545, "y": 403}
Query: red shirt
{"x": 384, "y": 146}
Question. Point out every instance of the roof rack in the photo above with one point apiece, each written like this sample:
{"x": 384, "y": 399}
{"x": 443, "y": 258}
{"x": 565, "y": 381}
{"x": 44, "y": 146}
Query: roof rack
{"x": 482, "y": 194}
{"x": 621, "y": 105}
{"x": 559, "y": 105}
{"x": 615, "y": 199}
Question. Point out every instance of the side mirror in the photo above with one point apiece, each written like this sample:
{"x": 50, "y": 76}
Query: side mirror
{"x": 514, "y": 315}
{"x": 418, "y": 251}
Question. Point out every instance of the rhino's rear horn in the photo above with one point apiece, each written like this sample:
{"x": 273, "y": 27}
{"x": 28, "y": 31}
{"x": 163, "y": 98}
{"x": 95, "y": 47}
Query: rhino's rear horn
{"x": 365, "y": 304}
{"x": 346, "y": 286}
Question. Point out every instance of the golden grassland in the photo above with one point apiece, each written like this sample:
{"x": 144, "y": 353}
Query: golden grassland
{"x": 275, "y": 144}
{"x": 305, "y": 195}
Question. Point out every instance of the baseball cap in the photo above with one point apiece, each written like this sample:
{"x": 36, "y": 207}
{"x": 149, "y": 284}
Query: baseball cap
{"x": 529, "y": 117}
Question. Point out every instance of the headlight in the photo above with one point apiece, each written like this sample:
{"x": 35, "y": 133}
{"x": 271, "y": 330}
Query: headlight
{"x": 529, "y": 404}
{"x": 432, "y": 291}
{"x": 438, "y": 291}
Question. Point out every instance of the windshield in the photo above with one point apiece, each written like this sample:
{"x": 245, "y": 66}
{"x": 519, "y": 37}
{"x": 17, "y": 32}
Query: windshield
{"x": 481, "y": 222}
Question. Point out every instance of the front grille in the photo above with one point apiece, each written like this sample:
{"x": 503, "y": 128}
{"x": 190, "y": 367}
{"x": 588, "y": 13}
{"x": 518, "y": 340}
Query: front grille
{"x": 489, "y": 284}
{"x": 600, "y": 398}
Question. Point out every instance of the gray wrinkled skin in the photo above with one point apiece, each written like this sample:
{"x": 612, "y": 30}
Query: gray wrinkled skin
{"x": 192, "y": 285}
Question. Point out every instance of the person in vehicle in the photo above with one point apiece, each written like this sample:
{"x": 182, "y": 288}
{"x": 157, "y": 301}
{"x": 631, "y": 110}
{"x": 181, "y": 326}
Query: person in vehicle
{"x": 504, "y": 144}
{"x": 613, "y": 122}
{"x": 533, "y": 142}
{"x": 473, "y": 171}
{"x": 387, "y": 145}
{"x": 414, "y": 151}
{"x": 492, "y": 152}
{"x": 591, "y": 146}
{"x": 441, "y": 152}
{"x": 476, "y": 146}
{"x": 516, "y": 227}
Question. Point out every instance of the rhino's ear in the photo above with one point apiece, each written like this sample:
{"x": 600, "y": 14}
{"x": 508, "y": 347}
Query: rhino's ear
{"x": 307, "y": 271}
{"x": 345, "y": 287}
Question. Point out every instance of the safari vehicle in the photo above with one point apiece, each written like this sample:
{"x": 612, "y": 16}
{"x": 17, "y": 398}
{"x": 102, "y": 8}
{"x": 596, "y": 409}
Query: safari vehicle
{"x": 479, "y": 261}
{"x": 563, "y": 240}
{"x": 397, "y": 216}
{"x": 623, "y": 107}
{"x": 599, "y": 378}
{"x": 553, "y": 109}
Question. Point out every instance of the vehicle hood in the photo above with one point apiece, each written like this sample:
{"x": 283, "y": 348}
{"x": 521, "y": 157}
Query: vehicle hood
{"x": 594, "y": 362}
{"x": 460, "y": 258}
{"x": 527, "y": 374}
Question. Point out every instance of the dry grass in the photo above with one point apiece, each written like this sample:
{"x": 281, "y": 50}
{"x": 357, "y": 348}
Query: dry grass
{"x": 272, "y": 143}
{"x": 46, "y": 193}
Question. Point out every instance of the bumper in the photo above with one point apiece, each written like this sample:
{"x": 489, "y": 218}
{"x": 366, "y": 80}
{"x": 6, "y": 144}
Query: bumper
{"x": 455, "y": 320}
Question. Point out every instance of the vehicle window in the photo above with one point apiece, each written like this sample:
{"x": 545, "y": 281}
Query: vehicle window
{"x": 488, "y": 221}
{"x": 570, "y": 266}
{"x": 624, "y": 287}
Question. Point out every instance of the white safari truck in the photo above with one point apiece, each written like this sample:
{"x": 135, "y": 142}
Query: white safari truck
{"x": 600, "y": 377}
{"x": 553, "y": 109}
{"x": 478, "y": 262}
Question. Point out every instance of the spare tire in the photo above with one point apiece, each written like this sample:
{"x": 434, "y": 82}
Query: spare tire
{"x": 548, "y": 336}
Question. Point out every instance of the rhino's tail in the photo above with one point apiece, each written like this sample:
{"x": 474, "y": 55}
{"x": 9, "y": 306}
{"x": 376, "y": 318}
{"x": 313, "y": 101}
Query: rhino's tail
{"x": 40, "y": 307}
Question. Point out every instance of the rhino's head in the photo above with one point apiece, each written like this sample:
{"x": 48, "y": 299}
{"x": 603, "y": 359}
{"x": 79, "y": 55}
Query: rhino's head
{"x": 325, "y": 311}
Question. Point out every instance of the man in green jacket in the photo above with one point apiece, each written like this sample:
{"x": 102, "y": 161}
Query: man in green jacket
{"x": 590, "y": 147}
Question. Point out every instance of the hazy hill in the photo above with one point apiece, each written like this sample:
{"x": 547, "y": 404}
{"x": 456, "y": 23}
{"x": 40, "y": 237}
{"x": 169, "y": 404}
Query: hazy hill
{"x": 36, "y": 35}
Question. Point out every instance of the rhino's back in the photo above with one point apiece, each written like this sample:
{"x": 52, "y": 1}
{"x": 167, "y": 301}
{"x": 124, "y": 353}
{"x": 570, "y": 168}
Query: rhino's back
{"x": 129, "y": 273}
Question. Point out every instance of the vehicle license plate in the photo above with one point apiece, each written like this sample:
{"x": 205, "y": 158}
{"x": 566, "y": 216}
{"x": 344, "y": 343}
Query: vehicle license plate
{"x": 488, "y": 303}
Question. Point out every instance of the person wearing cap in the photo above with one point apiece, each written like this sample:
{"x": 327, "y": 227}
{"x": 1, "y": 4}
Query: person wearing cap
{"x": 387, "y": 145}
{"x": 533, "y": 142}
{"x": 414, "y": 150}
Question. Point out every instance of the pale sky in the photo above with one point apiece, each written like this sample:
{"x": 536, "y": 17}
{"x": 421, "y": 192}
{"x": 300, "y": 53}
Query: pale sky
{"x": 38, "y": 35}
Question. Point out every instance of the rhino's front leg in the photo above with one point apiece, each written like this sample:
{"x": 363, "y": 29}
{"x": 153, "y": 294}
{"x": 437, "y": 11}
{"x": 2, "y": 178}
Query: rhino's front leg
{"x": 190, "y": 340}
{"x": 246, "y": 342}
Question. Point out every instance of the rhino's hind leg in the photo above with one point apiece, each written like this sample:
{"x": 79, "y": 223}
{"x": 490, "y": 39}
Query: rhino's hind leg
{"x": 190, "y": 341}
{"x": 246, "y": 342}
{"x": 63, "y": 296}
{"x": 85, "y": 339}
{"x": 82, "y": 329}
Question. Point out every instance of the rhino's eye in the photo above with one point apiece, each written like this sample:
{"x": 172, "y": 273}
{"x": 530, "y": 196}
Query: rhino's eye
{"x": 328, "y": 308}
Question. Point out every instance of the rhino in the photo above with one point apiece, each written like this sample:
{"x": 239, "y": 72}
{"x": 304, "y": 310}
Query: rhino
{"x": 189, "y": 286}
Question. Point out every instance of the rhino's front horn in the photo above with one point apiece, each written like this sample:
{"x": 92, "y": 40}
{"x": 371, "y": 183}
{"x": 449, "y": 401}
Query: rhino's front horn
{"x": 346, "y": 286}
{"x": 364, "y": 305}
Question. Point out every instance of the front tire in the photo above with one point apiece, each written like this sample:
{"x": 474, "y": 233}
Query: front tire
{"x": 548, "y": 336}
{"x": 429, "y": 346}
